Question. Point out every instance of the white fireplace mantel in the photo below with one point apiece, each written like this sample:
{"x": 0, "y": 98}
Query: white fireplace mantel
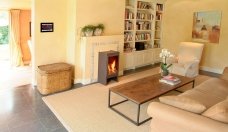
{"x": 90, "y": 47}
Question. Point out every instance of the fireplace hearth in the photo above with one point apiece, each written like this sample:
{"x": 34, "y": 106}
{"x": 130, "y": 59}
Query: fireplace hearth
{"x": 108, "y": 66}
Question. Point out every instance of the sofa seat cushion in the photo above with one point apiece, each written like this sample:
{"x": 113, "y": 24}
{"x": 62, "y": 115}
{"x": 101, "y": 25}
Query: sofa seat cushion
{"x": 224, "y": 75}
{"x": 218, "y": 112}
{"x": 214, "y": 86}
{"x": 207, "y": 100}
{"x": 183, "y": 103}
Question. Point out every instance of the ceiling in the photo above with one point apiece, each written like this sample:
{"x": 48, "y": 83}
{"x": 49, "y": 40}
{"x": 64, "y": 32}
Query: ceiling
{"x": 15, "y": 4}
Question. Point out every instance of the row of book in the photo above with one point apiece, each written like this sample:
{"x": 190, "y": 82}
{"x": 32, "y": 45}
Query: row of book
{"x": 128, "y": 25}
{"x": 144, "y": 5}
{"x": 143, "y": 26}
{"x": 171, "y": 80}
{"x": 159, "y": 7}
{"x": 158, "y": 16}
{"x": 142, "y": 36}
{"x": 128, "y": 37}
{"x": 145, "y": 16}
{"x": 129, "y": 14}
{"x": 156, "y": 45}
{"x": 127, "y": 47}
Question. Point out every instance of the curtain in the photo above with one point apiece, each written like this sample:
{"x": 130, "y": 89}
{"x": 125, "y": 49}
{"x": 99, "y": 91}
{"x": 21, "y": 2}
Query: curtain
{"x": 14, "y": 38}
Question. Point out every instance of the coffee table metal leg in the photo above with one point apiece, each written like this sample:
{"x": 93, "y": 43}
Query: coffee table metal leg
{"x": 137, "y": 122}
{"x": 109, "y": 96}
{"x": 138, "y": 115}
{"x": 193, "y": 83}
{"x": 109, "y": 100}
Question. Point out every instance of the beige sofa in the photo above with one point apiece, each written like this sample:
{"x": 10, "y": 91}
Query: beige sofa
{"x": 209, "y": 94}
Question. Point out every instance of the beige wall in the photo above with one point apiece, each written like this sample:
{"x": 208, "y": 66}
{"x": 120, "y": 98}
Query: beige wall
{"x": 15, "y": 4}
{"x": 177, "y": 27}
{"x": 25, "y": 18}
{"x": 108, "y": 12}
{"x": 69, "y": 16}
{"x": 48, "y": 47}
{"x": 71, "y": 31}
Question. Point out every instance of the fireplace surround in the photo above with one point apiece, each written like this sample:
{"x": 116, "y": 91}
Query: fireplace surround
{"x": 90, "y": 48}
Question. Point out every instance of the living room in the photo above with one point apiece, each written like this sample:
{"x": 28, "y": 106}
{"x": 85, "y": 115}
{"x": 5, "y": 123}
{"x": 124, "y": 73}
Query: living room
{"x": 63, "y": 44}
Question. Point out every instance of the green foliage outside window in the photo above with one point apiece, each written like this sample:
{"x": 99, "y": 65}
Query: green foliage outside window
{"x": 4, "y": 32}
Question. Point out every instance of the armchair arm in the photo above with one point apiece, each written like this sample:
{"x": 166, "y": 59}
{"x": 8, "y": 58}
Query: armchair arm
{"x": 191, "y": 64}
{"x": 178, "y": 120}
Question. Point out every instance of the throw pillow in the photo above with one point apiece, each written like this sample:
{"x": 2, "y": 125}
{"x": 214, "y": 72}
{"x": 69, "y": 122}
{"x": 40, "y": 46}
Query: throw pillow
{"x": 218, "y": 111}
{"x": 184, "y": 103}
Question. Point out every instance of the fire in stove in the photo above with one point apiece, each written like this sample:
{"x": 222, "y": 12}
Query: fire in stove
{"x": 112, "y": 68}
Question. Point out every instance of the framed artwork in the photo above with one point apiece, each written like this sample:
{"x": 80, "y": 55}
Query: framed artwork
{"x": 206, "y": 26}
{"x": 47, "y": 27}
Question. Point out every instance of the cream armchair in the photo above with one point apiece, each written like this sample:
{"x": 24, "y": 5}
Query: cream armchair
{"x": 187, "y": 59}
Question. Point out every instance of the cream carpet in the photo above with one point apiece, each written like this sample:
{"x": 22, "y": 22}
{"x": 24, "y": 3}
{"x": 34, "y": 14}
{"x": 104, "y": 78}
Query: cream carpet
{"x": 86, "y": 109}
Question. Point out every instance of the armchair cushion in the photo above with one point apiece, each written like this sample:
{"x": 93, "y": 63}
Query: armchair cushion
{"x": 183, "y": 103}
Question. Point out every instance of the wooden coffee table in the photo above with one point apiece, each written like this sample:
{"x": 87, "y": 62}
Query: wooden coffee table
{"x": 143, "y": 90}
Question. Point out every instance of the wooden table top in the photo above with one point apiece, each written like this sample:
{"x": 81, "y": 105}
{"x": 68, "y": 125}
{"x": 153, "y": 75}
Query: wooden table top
{"x": 148, "y": 88}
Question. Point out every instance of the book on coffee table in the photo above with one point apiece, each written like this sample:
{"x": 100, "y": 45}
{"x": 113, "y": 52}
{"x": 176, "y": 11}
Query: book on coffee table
{"x": 171, "y": 80}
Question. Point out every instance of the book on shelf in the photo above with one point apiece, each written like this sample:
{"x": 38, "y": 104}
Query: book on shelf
{"x": 128, "y": 25}
{"x": 171, "y": 80}
{"x": 142, "y": 36}
{"x": 144, "y": 5}
{"x": 144, "y": 16}
{"x": 159, "y": 7}
{"x": 129, "y": 14}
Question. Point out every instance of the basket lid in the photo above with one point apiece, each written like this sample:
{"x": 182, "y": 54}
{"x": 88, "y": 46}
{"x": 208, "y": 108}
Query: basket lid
{"x": 55, "y": 67}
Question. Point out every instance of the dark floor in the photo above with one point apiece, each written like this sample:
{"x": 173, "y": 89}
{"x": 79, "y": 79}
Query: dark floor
{"x": 23, "y": 110}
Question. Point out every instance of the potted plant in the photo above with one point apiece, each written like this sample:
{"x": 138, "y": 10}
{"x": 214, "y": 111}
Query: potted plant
{"x": 88, "y": 30}
{"x": 99, "y": 29}
{"x": 164, "y": 55}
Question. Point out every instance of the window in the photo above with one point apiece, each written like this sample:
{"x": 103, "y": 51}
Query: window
{"x": 4, "y": 27}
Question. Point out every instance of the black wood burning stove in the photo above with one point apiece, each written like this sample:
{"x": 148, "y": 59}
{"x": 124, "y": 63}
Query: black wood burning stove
{"x": 108, "y": 66}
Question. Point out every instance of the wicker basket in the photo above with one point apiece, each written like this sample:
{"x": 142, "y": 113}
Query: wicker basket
{"x": 53, "y": 78}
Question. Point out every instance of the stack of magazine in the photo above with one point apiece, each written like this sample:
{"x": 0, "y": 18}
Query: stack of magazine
{"x": 171, "y": 80}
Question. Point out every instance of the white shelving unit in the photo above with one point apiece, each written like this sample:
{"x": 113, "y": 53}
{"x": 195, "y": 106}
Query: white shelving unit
{"x": 143, "y": 27}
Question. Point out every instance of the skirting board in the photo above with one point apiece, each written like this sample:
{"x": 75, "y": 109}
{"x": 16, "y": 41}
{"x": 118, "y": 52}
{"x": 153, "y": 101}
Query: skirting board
{"x": 209, "y": 69}
{"x": 88, "y": 81}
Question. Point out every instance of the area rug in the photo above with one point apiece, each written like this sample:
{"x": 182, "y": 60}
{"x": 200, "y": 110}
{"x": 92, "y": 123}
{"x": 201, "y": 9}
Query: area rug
{"x": 86, "y": 109}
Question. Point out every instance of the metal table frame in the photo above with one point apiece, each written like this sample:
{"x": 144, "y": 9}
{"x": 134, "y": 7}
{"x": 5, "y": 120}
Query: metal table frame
{"x": 137, "y": 122}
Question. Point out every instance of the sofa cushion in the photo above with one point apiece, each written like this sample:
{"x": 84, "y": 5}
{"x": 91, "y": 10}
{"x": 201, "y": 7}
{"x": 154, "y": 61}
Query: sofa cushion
{"x": 224, "y": 75}
{"x": 183, "y": 103}
{"x": 218, "y": 112}
{"x": 207, "y": 100}
{"x": 214, "y": 86}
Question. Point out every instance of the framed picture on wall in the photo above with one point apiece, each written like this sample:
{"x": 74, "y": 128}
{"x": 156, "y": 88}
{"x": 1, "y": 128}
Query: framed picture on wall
{"x": 47, "y": 27}
{"x": 206, "y": 26}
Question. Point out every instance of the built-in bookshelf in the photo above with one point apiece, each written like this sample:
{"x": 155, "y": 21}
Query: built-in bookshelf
{"x": 143, "y": 21}
{"x": 142, "y": 32}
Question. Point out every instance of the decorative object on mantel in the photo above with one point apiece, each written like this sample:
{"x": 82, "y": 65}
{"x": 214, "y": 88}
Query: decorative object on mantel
{"x": 88, "y": 30}
{"x": 91, "y": 30}
{"x": 206, "y": 26}
{"x": 47, "y": 27}
{"x": 98, "y": 29}
{"x": 164, "y": 55}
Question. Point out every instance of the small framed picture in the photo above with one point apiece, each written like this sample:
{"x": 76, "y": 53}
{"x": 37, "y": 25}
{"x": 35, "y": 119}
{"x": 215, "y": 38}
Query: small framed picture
{"x": 47, "y": 27}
